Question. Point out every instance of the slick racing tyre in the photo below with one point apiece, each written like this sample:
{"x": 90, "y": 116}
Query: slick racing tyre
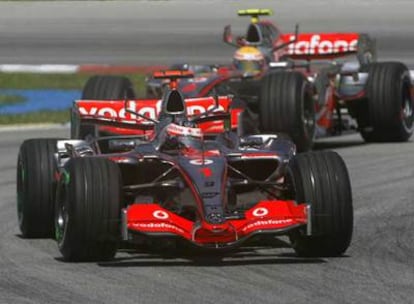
{"x": 108, "y": 88}
{"x": 103, "y": 88}
{"x": 388, "y": 114}
{"x": 287, "y": 106}
{"x": 87, "y": 216}
{"x": 36, "y": 187}
{"x": 321, "y": 180}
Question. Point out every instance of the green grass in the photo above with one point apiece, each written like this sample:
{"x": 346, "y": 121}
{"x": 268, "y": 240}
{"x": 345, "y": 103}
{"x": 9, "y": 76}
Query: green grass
{"x": 56, "y": 81}
{"x": 8, "y": 100}
{"x": 36, "y": 117}
{"x": 48, "y": 81}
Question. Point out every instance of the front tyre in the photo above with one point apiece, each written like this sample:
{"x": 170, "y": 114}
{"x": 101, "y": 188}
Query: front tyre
{"x": 321, "y": 180}
{"x": 88, "y": 210}
{"x": 36, "y": 187}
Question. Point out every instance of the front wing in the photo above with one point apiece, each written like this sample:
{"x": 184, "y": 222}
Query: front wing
{"x": 274, "y": 217}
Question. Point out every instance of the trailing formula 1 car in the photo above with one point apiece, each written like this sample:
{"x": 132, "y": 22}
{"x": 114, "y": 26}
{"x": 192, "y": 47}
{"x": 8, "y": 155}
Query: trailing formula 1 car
{"x": 176, "y": 182}
{"x": 109, "y": 91}
{"x": 291, "y": 84}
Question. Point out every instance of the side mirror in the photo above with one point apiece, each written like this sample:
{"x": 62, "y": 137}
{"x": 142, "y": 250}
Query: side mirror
{"x": 228, "y": 36}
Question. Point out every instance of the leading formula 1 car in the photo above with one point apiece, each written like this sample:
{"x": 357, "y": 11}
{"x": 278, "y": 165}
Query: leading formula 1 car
{"x": 176, "y": 181}
{"x": 292, "y": 85}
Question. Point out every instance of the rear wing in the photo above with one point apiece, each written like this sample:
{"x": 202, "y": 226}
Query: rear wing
{"x": 113, "y": 112}
{"x": 310, "y": 46}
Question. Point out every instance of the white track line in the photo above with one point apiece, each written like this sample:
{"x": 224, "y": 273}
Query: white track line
{"x": 26, "y": 127}
{"x": 39, "y": 68}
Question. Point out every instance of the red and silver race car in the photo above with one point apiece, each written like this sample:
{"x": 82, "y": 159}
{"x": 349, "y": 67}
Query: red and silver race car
{"x": 104, "y": 96}
{"x": 292, "y": 84}
{"x": 176, "y": 182}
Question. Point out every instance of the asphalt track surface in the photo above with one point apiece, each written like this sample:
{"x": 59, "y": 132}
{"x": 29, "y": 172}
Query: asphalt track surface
{"x": 377, "y": 268}
{"x": 163, "y": 32}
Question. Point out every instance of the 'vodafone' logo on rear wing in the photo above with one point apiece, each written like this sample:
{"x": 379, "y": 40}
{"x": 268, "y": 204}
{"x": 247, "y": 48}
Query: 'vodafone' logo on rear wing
{"x": 309, "y": 44}
{"x": 115, "y": 109}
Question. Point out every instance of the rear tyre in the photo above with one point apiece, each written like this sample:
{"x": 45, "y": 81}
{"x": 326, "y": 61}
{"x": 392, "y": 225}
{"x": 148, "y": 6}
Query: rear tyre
{"x": 104, "y": 87}
{"x": 108, "y": 87}
{"x": 88, "y": 210}
{"x": 287, "y": 106}
{"x": 36, "y": 187}
{"x": 388, "y": 115}
{"x": 321, "y": 180}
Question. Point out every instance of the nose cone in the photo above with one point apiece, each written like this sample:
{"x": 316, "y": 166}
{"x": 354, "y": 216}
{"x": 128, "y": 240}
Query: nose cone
{"x": 206, "y": 233}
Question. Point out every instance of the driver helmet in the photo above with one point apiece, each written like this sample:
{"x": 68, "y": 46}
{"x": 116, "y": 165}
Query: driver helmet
{"x": 249, "y": 60}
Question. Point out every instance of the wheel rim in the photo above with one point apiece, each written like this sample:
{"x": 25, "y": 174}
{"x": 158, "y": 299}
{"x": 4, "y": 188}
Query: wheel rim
{"x": 308, "y": 121}
{"x": 308, "y": 116}
{"x": 61, "y": 221}
{"x": 407, "y": 109}
{"x": 61, "y": 214}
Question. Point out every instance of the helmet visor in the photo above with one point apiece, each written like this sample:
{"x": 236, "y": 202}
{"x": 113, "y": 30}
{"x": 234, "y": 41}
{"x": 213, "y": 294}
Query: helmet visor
{"x": 248, "y": 66}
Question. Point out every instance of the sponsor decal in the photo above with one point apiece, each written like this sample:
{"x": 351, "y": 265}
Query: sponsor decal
{"x": 157, "y": 226}
{"x": 198, "y": 109}
{"x": 267, "y": 223}
{"x": 207, "y": 172}
{"x": 316, "y": 45}
{"x": 114, "y": 112}
{"x": 174, "y": 129}
{"x": 150, "y": 111}
{"x": 159, "y": 214}
{"x": 258, "y": 212}
{"x": 200, "y": 161}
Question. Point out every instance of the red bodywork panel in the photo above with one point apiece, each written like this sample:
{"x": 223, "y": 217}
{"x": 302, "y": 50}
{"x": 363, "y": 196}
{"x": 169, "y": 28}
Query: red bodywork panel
{"x": 114, "y": 111}
{"x": 265, "y": 216}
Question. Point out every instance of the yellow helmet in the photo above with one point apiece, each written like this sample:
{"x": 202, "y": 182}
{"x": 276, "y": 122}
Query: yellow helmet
{"x": 249, "y": 60}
